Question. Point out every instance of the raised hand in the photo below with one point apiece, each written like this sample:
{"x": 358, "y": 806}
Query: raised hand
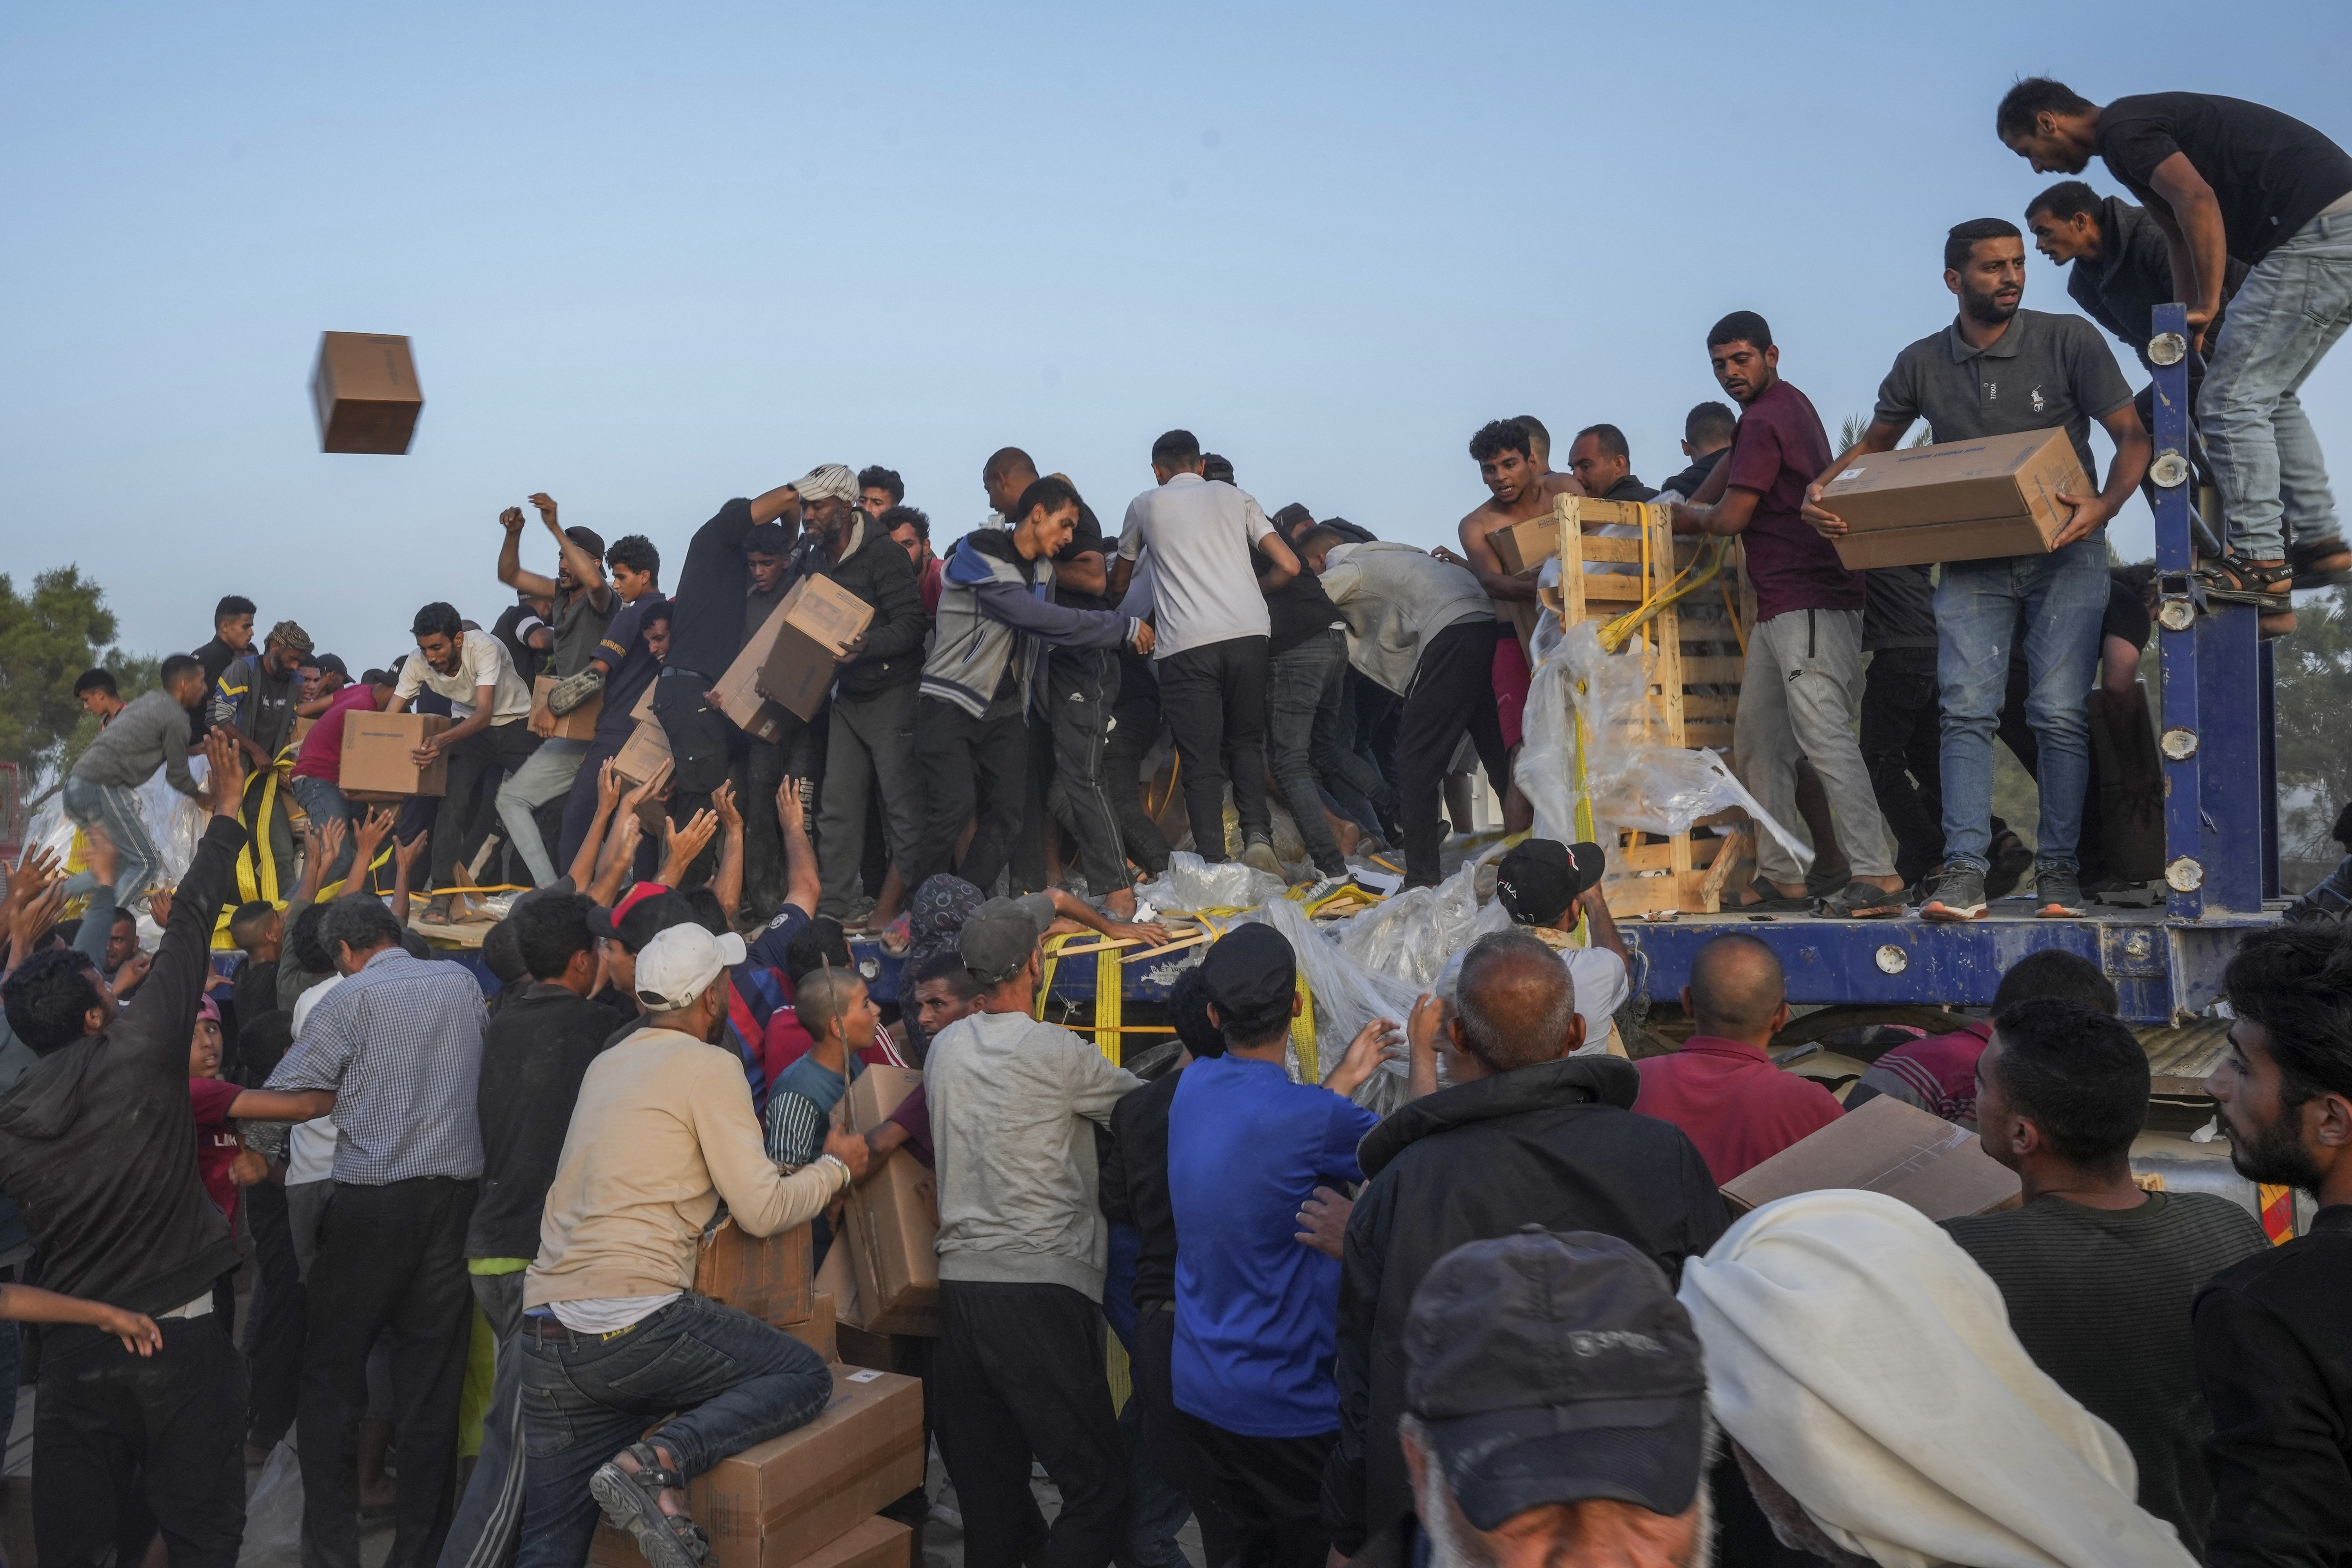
{"x": 722, "y": 801}
{"x": 608, "y": 785}
{"x": 790, "y": 813}
{"x": 225, "y": 758}
{"x": 511, "y": 520}
{"x": 405, "y": 856}
{"x": 159, "y": 907}
{"x": 681, "y": 844}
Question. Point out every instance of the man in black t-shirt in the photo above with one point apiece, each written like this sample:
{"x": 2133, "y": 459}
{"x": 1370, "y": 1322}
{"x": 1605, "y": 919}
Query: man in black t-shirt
{"x": 1306, "y": 685}
{"x": 2228, "y": 180}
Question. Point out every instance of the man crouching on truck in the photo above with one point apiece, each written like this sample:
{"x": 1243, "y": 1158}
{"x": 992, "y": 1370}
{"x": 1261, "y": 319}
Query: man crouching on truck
{"x": 2000, "y": 370}
{"x": 614, "y": 1337}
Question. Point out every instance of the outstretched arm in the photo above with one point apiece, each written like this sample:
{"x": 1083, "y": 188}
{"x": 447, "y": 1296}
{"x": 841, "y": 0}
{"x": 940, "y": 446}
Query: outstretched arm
{"x": 510, "y": 571}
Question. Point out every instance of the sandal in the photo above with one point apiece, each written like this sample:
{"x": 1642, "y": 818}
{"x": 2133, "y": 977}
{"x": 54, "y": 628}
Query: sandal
{"x": 1859, "y": 900}
{"x": 2322, "y": 563}
{"x": 2233, "y": 580}
{"x": 1770, "y": 899}
{"x": 632, "y": 1502}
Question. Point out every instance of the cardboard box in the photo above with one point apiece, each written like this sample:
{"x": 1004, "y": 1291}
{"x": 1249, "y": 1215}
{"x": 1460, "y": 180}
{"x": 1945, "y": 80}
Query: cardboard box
{"x": 1960, "y": 501}
{"x": 645, "y": 755}
{"x": 892, "y": 1219}
{"x": 784, "y": 1502}
{"x": 838, "y": 1279}
{"x": 875, "y": 1543}
{"x": 376, "y": 749}
{"x": 1524, "y": 547}
{"x": 739, "y": 697}
{"x": 364, "y": 390}
{"x": 1887, "y": 1147}
{"x": 302, "y": 728}
{"x": 812, "y": 628}
{"x": 580, "y": 724}
{"x": 817, "y": 1329}
{"x": 773, "y": 1277}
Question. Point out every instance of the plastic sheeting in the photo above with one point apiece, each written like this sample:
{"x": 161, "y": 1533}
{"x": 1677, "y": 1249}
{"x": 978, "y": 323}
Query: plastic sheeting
{"x": 1348, "y": 995}
{"x": 1193, "y": 883}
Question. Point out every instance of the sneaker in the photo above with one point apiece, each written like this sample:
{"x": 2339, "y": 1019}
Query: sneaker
{"x": 2057, "y": 892}
{"x": 1259, "y": 855}
{"x": 1958, "y": 895}
{"x": 1323, "y": 887}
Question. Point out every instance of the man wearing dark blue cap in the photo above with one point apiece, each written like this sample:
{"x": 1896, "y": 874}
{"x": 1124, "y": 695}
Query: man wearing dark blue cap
{"x": 1256, "y": 1311}
{"x": 1556, "y": 1410}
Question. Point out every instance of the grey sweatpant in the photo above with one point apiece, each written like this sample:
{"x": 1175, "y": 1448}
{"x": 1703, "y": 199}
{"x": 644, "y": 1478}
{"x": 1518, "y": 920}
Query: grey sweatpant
{"x": 1797, "y": 696}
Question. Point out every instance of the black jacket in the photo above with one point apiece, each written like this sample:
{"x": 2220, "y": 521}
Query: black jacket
{"x": 877, "y": 571}
{"x": 1686, "y": 483}
{"x": 1135, "y": 1188}
{"x": 98, "y": 1143}
{"x": 535, "y": 1054}
{"x": 1555, "y": 1145}
{"x": 2133, "y": 275}
{"x": 2273, "y": 1345}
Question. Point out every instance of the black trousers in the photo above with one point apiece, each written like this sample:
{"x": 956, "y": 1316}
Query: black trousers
{"x": 1020, "y": 1373}
{"x": 1214, "y": 698}
{"x": 273, "y": 1334}
{"x": 124, "y": 1444}
{"x": 1274, "y": 1489}
{"x": 966, "y": 764}
{"x": 759, "y": 770}
{"x": 1081, "y": 691}
{"x": 1135, "y": 724}
{"x": 1170, "y": 1442}
{"x": 1901, "y": 745}
{"x": 485, "y": 756}
{"x": 391, "y": 1258}
{"x": 1453, "y": 691}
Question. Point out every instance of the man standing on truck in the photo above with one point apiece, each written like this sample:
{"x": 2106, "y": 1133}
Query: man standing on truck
{"x": 2000, "y": 370}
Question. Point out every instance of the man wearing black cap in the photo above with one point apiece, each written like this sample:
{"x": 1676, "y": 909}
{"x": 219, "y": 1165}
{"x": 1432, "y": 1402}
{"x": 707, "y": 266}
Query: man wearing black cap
{"x": 1250, "y": 1362}
{"x": 1555, "y": 1410}
{"x": 1023, "y": 1250}
{"x": 580, "y": 606}
{"x": 1546, "y": 886}
{"x": 1526, "y": 1135}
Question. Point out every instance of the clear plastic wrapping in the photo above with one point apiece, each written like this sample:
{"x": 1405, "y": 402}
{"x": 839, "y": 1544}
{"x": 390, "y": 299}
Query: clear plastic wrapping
{"x": 174, "y": 822}
{"x": 1193, "y": 883}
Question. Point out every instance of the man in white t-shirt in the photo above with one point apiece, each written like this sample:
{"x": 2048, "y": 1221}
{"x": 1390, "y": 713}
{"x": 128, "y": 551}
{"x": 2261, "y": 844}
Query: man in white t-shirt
{"x": 1209, "y": 612}
{"x": 491, "y": 737}
{"x": 1545, "y": 886}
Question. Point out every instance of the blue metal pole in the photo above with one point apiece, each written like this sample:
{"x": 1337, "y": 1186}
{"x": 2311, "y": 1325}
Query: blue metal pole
{"x": 2177, "y": 616}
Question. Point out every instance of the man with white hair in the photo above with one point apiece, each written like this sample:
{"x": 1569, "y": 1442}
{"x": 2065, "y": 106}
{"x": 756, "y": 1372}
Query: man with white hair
{"x": 614, "y": 1340}
{"x": 705, "y": 627}
{"x": 1521, "y": 1454}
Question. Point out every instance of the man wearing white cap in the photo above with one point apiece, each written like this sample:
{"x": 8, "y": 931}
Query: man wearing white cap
{"x": 613, "y": 1338}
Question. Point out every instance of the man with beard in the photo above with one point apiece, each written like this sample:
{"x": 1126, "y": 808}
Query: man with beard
{"x": 2000, "y": 370}
{"x": 2273, "y": 1342}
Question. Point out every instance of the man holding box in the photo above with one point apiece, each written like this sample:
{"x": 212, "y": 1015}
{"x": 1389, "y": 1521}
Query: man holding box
{"x": 2000, "y": 370}
{"x": 490, "y": 704}
{"x": 581, "y": 603}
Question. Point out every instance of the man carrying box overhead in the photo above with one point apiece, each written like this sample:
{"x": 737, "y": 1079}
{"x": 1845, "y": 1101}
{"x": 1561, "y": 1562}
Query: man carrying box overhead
{"x": 614, "y": 1337}
{"x": 2000, "y": 370}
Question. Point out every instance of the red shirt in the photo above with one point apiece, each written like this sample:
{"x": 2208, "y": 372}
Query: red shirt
{"x": 1732, "y": 1102}
{"x": 215, "y": 1145}
{"x": 1778, "y": 448}
{"x": 321, "y": 756}
{"x": 1938, "y": 1074}
{"x": 933, "y": 580}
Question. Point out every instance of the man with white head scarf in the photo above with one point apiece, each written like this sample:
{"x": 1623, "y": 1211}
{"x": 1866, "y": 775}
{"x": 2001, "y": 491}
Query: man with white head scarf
{"x": 1920, "y": 1433}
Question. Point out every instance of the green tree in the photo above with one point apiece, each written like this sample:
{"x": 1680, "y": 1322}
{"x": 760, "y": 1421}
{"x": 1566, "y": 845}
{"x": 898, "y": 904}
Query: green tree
{"x": 47, "y": 638}
{"x": 2314, "y": 693}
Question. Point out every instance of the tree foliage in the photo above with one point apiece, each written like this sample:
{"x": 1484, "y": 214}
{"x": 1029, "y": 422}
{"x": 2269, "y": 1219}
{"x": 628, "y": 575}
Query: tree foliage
{"x": 47, "y": 638}
{"x": 2314, "y": 699}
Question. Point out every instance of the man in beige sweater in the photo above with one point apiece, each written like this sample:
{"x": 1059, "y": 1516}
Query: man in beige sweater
{"x": 613, "y": 1336}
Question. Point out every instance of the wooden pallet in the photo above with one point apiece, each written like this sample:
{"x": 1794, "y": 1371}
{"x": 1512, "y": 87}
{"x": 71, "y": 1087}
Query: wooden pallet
{"x": 1674, "y": 871}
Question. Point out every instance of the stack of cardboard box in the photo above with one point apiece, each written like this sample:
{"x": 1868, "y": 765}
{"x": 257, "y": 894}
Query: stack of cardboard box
{"x": 884, "y": 1269}
{"x": 811, "y": 1497}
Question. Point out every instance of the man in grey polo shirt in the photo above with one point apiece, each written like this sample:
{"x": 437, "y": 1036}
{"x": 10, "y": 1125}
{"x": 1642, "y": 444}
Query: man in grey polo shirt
{"x": 1999, "y": 371}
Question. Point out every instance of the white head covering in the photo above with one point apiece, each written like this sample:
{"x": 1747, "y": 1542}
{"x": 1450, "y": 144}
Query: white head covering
{"x": 1867, "y": 1363}
{"x": 680, "y": 964}
{"x": 828, "y": 479}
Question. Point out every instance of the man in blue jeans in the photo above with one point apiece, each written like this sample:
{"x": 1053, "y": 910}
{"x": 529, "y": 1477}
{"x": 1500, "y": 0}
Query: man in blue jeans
{"x": 1999, "y": 371}
{"x": 2229, "y": 180}
{"x": 613, "y": 1338}
{"x": 102, "y": 790}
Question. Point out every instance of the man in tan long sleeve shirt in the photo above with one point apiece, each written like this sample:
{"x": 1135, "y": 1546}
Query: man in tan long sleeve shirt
{"x": 613, "y": 1335}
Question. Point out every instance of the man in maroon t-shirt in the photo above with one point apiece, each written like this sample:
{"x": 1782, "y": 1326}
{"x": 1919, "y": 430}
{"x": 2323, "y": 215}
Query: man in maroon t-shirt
{"x": 1804, "y": 657}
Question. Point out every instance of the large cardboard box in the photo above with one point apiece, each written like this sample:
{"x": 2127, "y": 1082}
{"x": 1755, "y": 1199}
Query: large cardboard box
{"x": 817, "y": 1330}
{"x": 376, "y": 760}
{"x": 773, "y": 1277}
{"x": 892, "y": 1219}
{"x": 739, "y": 697}
{"x": 1524, "y": 547}
{"x": 1885, "y": 1146}
{"x": 580, "y": 724}
{"x": 365, "y": 390}
{"x": 1959, "y": 500}
{"x": 810, "y": 629}
{"x": 645, "y": 756}
{"x": 875, "y": 1543}
{"x": 785, "y": 1500}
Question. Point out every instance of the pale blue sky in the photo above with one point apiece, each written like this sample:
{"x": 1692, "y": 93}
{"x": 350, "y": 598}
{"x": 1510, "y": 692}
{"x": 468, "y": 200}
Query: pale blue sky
{"x": 655, "y": 256}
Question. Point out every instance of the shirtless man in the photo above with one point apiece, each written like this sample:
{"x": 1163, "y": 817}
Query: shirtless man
{"x": 1522, "y": 489}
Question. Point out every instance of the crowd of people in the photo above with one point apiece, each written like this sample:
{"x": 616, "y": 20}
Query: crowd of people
{"x": 1511, "y": 1319}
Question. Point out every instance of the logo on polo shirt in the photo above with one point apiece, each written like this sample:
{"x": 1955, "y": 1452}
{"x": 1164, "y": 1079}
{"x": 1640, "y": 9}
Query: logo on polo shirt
{"x": 2038, "y": 401}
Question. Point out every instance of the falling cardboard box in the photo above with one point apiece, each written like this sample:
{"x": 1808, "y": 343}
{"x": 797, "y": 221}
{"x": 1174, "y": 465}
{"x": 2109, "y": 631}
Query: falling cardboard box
{"x": 771, "y": 1278}
{"x": 810, "y": 629}
{"x": 377, "y": 763}
{"x": 1884, "y": 1146}
{"x": 892, "y": 1221}
{"x": 580, "y": 724}
{"x": 365, "y": 390}
{"x": 1961, "y": 501}
{"x": 789, "y": 1500}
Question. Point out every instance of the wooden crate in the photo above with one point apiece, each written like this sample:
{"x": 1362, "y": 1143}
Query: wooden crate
{"x": 1694, "y": 687}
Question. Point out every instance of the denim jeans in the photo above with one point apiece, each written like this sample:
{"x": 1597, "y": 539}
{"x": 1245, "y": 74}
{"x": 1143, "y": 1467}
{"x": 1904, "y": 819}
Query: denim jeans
{"x": 2287, "y": 314}
{"x": 114, "y": 807}
{"x": 546, "y": 775}
{"x": 585, "y": 1397}
{"x": 322, "y": 802}
{"x": 1304, "y": 684}
{"x": 2057, "y": 600}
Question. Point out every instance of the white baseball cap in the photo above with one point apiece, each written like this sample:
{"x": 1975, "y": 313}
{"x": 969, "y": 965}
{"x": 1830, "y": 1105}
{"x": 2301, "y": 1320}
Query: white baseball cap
{"x": 679, "y": 964}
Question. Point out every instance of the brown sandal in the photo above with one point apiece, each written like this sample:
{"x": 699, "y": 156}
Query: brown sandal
{"x": 2266, "y": 585}
{"x": 2322, "y": 563}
